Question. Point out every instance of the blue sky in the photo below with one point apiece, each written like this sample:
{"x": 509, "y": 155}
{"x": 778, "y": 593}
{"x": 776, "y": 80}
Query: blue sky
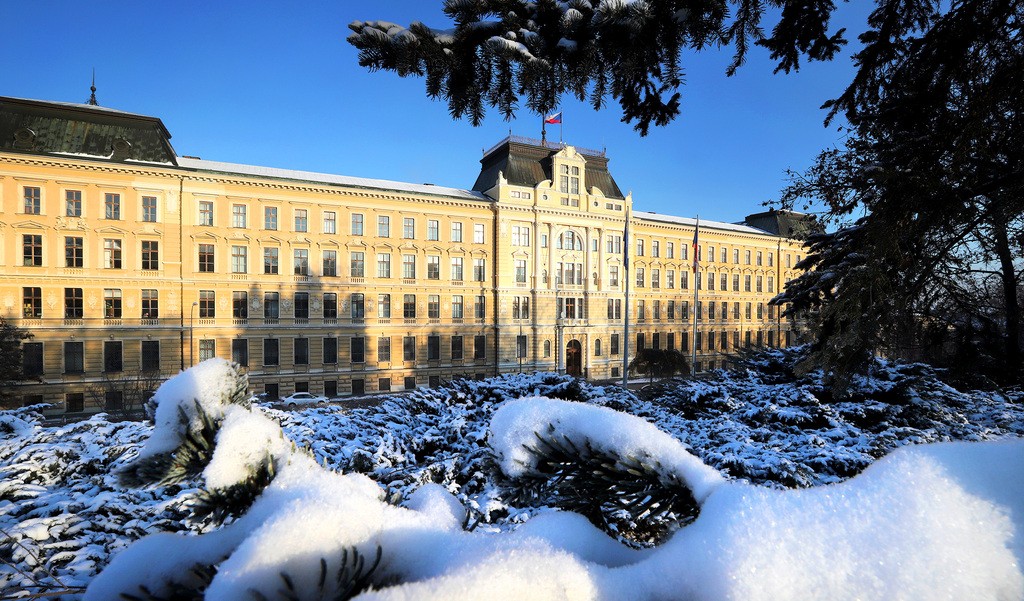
{"x": 275, "y": 84}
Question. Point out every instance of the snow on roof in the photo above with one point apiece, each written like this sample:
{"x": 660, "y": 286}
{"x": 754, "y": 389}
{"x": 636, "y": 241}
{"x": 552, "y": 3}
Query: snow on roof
{"x": 326, "y": 178}
{"x": 79, "y": 105}
{"x": 718, "y": 225}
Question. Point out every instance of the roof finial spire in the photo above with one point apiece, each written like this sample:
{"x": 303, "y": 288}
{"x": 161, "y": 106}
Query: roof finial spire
{"x": 92, "y": 96}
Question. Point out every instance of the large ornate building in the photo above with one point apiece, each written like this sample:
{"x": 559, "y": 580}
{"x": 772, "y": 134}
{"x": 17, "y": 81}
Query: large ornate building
{"x": 128, "y": 262}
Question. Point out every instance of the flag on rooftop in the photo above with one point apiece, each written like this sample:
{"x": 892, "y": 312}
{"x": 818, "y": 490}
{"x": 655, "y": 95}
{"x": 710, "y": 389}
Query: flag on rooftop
{"x": 555, "y": 118}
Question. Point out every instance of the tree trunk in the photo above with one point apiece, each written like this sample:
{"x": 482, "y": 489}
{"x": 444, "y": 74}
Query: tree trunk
{"x": 1011, "y": 306}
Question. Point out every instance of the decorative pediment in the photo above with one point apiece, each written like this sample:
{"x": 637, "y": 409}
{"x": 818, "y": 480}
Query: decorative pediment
{"x": 29, "y": 225}
{"x": 71, "y": 223}
{"x": 357, "y": 243}
{"x": 112, "y": 230}
{"x": 206, "y": 236}
{"x": 272, "y": 240}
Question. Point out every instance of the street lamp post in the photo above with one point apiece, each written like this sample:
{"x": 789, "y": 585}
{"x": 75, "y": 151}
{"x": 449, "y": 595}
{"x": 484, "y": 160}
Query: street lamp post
{"x": 191, "y": 332}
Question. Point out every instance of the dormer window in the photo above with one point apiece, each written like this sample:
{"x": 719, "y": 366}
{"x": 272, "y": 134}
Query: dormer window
{"x": 569, "y": 180}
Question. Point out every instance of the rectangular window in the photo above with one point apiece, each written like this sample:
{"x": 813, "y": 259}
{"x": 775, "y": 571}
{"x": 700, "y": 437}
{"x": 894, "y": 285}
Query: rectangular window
{"x": 357, "y": 349}
{"x": 150, "y": 255}
{"x": 725, "y": 255}
{"x": 150, "y": 352}
{"x": 205, "y": 212}
{"x": 640, "y": 277}
{"x": 614, "y": 345}
{"x": 384, "y": 349}
{"x": 456, "y": 272}
{"x": 480, "y": 307}
{"x": 520, "y": 235}
{"x": 711, "y": 280}
{"x": 150, "y": 303}
{"x": 271, "y": 261}
{"x": 206, "y": 258}
{"x": 112, "y": 356}
{"x": 457, "y": 306}
{"x": 384, "y": 306}
{"x": 149, "y": 209}
{"x": 384, "y": 265}
{"x": 357, "y": 224}
{"x": 433, "y": 267}
{"x": 73, "y": 203}
{"x": 457, "y": 348}
{"x": 330, "y": 263}
{"x": 240, "y": 351}
{"x": 357, "y": 264}
{"x": 433, "y": 230}
{"x": 639, "y": 247}
{"x": 330, "y": 346}
{"x": 478, "y": 233}
{"x": 408, "y": 228}
{"x": 521, "y": 271}
{"x": 479, "y": 347}
{"x": 330, "y": 305}
{"x": 74, "y": 357}
{"x": 409, "y": 267}
{"x": 207, "y": 349}
{"x": 73, "y": 305}
{"x": 383, "y": 226}
{"x": 73, "y": 252}
{"x": 271, "y": 351}
{"x": 239, "y": 216}
{"x": 300, "y": 261}
{"x": 655, "y": 248}
{"x": 32, "y": 250}
{"x": 239, "y": 259}
{"x": 207, "y": 304}
{"x": 641, "y": 313}
{"x": 433, "y": 306}
{"x": 112, "y": 303}
{"x": 301, "y": 305}
{"x": 112, "y": 205}
{"x": 655, "y": 278}
{"x": 456, "y": 231}
{"x": 746, "y": 283}
{"x": 521, "y": 347}
{"x": 301, "y": 351}
{"x": 240, "y": 304}
{"x": 479, "y": 270}
{"x": 270, "y": 218}
{"x": 357, "y": 305}
{"x": 613, "y": 275}
{"x": 330, "y": 222}
{"x": 301, "y": 220}
{"x": 409, "y": 306}
{"x": 112, "y": 254}
{"x": 409, "y": 348}
{"x": 32, "y": 298}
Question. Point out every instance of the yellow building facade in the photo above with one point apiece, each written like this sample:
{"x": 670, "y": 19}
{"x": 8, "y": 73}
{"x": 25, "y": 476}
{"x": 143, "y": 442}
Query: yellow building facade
{"x": 128, "y": 262}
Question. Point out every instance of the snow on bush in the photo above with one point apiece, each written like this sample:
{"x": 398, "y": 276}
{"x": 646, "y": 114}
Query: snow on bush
{"x": 260, "y": 500}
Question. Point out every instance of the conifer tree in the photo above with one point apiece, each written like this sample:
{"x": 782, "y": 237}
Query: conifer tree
{"x": 501, "y": 51}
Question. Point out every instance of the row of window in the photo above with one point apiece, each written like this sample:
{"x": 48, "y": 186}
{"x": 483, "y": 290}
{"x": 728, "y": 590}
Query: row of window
{"x": 73, "y": 207}
{"x": 700, "y": 279}
{"x": 567, "y": 307}
{"x": 715, "y": 309}
{"x": 329, "y": 223}
{"x": 113, "y": 258}
{"x": 74, "y": 305}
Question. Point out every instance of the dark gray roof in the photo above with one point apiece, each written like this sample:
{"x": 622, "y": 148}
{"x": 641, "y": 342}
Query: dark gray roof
{"x": 526, "y": 162}
{"x": 83, "y": 130}
{"x": 788, "y": 224}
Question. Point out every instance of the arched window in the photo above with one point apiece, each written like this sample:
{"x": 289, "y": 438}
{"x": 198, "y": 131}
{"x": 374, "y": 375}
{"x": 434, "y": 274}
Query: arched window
{"x": 547, "y": 348}
{"x": 597, "y": 347}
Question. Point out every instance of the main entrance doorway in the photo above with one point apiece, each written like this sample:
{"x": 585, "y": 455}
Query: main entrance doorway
{"x": 574, "y": 359}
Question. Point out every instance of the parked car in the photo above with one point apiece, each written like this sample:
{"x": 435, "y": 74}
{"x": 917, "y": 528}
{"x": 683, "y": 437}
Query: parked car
{"x": 262, "y": 399}
{"x": 302, "y": 398}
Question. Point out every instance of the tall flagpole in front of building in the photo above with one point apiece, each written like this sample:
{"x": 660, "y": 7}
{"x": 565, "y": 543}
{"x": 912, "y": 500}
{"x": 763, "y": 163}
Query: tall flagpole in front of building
{"x": 625, "y": 310}
{"x": 696, "y": 296}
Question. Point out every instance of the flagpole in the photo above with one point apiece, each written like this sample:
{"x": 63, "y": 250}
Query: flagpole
{"x": 625, "y": 321}
{"x": 696, "y": 296}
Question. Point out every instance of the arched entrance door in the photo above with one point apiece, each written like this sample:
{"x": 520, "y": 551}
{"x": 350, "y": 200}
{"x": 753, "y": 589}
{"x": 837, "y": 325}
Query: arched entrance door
{"x": 574, "y": 358}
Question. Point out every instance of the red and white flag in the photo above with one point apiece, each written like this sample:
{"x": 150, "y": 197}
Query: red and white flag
{"x": 555, "y": 118}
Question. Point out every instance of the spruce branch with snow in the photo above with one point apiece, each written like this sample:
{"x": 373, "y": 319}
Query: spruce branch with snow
{"x": 501, "y": 51}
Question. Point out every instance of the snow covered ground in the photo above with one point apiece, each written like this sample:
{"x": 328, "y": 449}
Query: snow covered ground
{"x": 792, "y": 499}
